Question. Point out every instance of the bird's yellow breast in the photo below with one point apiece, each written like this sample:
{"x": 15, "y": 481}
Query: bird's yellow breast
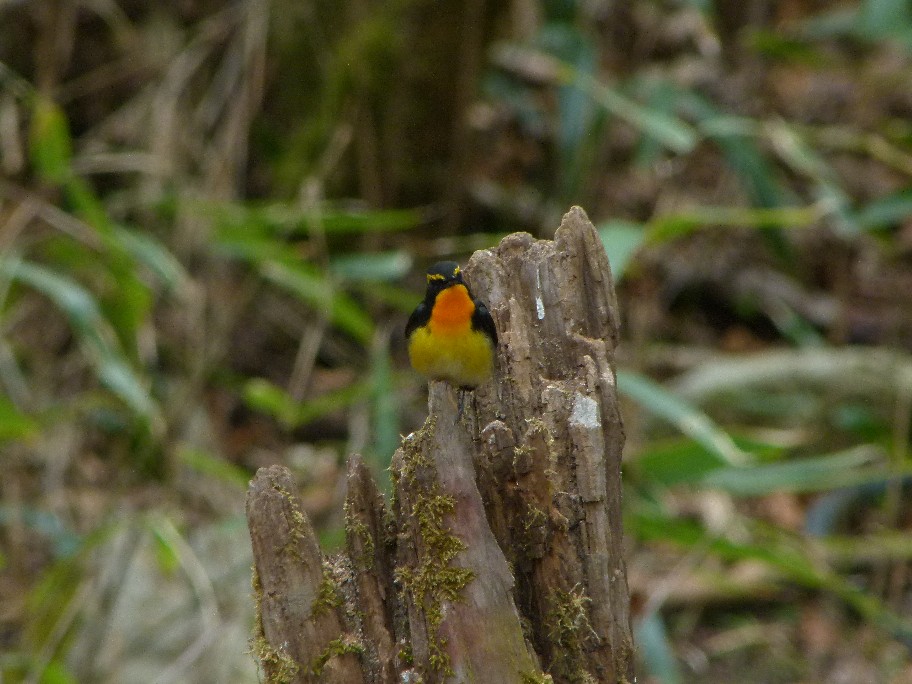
{"x": 447, "y": 348}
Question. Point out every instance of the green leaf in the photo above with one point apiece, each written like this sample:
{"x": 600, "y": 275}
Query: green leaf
{"x": 656, "y": 649}
{"x": 262, "y": 395}
{"x": 879, "y": 18}
{"x": 673, "y": 462}
{"x": 213, "y": 466}
{"x": 887, "y": 211}
{"x": 50, "y": 142}
{"x": 621, "y": 240}
{"x": 50, "y": 596}
{"x": 852, "y": 467}
{"x": 146, "y": 250}
{"x": 91, "y": 328}
{"x": 681, "y": 460}
{"x": 578, "y": 115}
{"x": 167, "y": 555}
{"x": 56, "y": 672}
{"x": 317, "y": 290}
{"x": 778, "y": 46}
{"x": 830, "y": 197}
{"x": 756, "y": 173}
{"x": 672, "y": 132}
{"x": 665, "y": 228}
{"x": 791, "y": 556}
{"x": 252, "y": 245}
{"x": 117, "y": 375}
{"x": 90, "y": 208}
{"x": 876, "y": 373}
{"x": 374, "y": 221}
{"x": 371, "y": 268}
{"x": 690, "y": 420}
{"x": 74, "y": 300}
{"x": 14, "y": 424}
{"x": 735, "y": 138}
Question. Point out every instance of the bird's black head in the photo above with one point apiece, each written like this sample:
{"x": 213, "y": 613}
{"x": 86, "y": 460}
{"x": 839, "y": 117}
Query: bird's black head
{"x": 443, "y": 274}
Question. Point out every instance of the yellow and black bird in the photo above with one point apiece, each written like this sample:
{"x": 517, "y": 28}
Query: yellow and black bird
{"x": 451, "y": 335}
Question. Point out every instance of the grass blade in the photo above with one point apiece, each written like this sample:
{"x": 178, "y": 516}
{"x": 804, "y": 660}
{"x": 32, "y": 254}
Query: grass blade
{"x": 855, "y": 466}
{"x": 683, "y": 415}
{"x": 91, "y": 328}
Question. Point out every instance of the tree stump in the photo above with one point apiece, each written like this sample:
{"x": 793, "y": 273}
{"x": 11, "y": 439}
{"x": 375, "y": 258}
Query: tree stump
{"x": 499, "y": 558}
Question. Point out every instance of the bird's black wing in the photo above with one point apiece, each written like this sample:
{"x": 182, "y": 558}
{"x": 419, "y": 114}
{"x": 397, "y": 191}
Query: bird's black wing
{"x": 420, "y": 316}
{"x": 481, "y": 320}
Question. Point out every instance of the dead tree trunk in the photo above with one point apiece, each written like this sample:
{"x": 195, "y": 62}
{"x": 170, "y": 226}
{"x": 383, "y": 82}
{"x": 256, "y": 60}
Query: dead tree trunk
{"x": 499, "y": 559}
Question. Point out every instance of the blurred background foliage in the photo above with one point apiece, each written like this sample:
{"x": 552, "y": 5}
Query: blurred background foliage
{"x": 214, "y": 217}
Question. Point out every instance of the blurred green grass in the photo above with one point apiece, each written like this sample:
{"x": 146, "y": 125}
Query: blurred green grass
{"x": 206, "y": 259}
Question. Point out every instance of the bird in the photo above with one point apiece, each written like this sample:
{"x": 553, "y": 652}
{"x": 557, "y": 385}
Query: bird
{"x": 451, "y": 334}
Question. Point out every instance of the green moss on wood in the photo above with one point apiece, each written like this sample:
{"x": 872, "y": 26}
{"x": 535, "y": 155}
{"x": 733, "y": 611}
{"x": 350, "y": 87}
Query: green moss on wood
{"x": 336, "y": 647}
{"x": 568, "y": 628}
{"x": 279, "y": 667}
{"x": 328, "y": 595}
{"x": 298, "y": 523}
{"x": 433, "y": 579}
{"x": 535, "y": 517}
{"x": 356, "y": 529}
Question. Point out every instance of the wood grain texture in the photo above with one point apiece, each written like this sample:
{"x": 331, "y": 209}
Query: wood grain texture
{"x": 298, "y": 624}
{"x": 554, "y": 406}
{"x": 499, "y": 557}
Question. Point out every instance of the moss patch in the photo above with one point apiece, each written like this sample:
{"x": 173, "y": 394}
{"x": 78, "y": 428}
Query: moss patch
{"x": 356, "y": 529}
{"x": 568, "y": 627}
{"x": 280, "y": 668}
{"x": 336, "y": 647}
{"x": 298, "y": 523}
{"x": 328, "y": 595}
{"x": 432, "y": 580}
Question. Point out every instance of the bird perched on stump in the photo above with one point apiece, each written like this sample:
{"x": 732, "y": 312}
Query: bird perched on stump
{"x": 451, "y": 335}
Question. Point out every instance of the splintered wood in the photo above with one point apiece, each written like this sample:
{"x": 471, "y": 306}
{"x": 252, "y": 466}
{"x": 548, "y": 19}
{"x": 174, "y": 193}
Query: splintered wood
{"x": 499, "y": 559}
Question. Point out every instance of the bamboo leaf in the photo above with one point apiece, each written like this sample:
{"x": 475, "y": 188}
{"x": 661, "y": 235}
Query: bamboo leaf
{"x": 656, "y": 649}
{"x": 855, "y": 466}
{"x": 685, "y": 416}
{"x": 886, "y": 211}
{"x": 214, "y": 466}
{"x": 146, "y": 250}
{"x": 50, "y": 143}
{"x": 262, "y": 395}
{"x": 621, "y": 240}
{"x": 92, "y": 329}
{"x": 371, "y": 268}
{"x": 316, "y": 289}
{"x": 672, "y": 132}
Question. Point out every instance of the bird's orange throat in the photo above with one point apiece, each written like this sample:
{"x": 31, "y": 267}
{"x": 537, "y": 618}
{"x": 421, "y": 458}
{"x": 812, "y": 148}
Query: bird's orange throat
{"x": 452, "y": 309}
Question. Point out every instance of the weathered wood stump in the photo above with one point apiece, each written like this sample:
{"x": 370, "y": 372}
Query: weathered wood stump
{"x": 499, "y": 559}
